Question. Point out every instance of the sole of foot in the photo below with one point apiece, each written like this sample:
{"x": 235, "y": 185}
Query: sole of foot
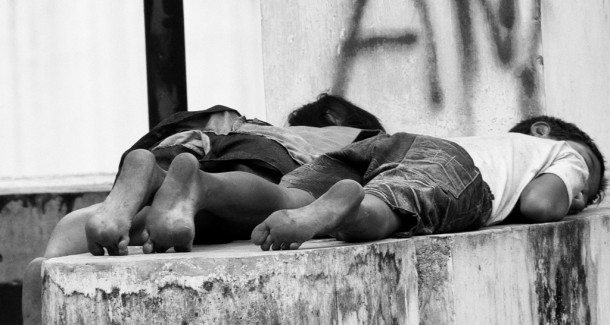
{"x": 109, "y": 226}
{"x": 289, "y": 229}
{"x": 170, "y": 221}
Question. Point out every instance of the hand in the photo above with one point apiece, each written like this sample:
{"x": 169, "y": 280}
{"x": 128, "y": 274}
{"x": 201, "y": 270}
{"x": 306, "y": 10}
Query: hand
{"x": 578, "y": 204}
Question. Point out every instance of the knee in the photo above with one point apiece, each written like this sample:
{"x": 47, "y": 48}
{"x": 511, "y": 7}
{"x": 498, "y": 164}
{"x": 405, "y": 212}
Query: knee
{"x": 33, "y": 269}
{"x": 68, "y": 237}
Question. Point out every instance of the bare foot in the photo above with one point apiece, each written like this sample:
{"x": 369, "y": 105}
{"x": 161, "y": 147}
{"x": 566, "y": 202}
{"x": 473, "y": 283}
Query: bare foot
{"x": 108, "y": 228}
{"x": 170, "y": 221}
{"x": 288, "y": 229}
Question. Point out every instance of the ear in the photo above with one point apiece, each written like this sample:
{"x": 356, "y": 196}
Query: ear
{"x": 334, "y": 118}
{"x": 540, "y": 129}
{"x": 336, "y": 114}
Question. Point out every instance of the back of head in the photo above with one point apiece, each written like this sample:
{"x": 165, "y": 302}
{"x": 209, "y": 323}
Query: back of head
{"x": 329, "y": 110}
{"x": 562, "y": 130}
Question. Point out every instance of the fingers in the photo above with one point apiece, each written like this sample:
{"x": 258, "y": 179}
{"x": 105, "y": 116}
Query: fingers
{"x": 578, "y": 204}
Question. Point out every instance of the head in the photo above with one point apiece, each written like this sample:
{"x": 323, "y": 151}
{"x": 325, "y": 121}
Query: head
{"x": 329, "y": 110}
{"x": 557, "y": 129}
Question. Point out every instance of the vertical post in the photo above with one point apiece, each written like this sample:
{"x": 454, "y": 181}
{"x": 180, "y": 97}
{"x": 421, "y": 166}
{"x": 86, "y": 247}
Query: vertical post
{"x": 165, "y": 58}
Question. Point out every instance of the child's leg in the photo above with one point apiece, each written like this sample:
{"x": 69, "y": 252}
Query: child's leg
{"x": 68, "y": 238}
{"x": 344, "y": 212}
{"x": 31, "y": 295}
{"x": 109, "y": 227}
{"x": 234, "y": 196}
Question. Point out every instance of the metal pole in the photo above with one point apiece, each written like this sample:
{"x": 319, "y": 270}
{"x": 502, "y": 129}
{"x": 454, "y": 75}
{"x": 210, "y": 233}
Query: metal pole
{"x": 165, "y": 58}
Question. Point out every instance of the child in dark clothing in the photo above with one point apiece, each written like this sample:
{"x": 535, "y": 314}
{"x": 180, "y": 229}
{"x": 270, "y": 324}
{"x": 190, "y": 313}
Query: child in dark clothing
{"x": 219, "y": 140}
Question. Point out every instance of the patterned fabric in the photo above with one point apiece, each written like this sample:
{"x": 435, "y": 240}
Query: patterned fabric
{"x": 431, "y": 182}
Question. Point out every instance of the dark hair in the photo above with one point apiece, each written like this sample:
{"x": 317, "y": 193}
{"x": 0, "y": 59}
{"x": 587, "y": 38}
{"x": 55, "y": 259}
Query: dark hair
{"x": 562, "y": 130}
{"x": 317, "y": 114}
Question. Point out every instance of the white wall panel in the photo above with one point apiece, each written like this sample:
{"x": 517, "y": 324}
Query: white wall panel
{"x": 73, "y": 78}
{"x": 224, "y": 56}
{"x": 73, "y": 85}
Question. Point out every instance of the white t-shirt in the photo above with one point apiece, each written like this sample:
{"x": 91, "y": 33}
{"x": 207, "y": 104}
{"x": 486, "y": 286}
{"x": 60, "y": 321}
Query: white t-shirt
{"x": 508, "y": 162}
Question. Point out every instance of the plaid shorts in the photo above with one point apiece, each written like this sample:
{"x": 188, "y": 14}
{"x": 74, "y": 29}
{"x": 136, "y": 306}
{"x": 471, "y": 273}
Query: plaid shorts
{"x": 431, "y": 182}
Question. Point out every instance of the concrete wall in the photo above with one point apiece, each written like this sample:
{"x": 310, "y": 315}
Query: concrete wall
{"x": 576, "y": 44}
{"x": 26, "y": 223}
{"x": 553, "y": 273}
{"x": 444, "y": 68}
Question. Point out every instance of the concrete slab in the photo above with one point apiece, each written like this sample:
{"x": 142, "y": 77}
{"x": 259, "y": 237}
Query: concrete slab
{"x": 516, "y": 274}
{"x": 327, "y": 281}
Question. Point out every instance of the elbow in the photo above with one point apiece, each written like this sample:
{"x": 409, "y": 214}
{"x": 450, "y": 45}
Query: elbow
{"x": 543, "y": 211}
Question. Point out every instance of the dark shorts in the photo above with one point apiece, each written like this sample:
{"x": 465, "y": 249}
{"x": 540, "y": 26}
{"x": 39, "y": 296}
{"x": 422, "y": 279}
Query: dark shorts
{"x": 236, "y": 151}
{"x": 433, "y": 183}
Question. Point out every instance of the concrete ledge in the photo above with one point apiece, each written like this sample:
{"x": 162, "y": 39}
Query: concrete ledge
{"x": 520, "y": 274}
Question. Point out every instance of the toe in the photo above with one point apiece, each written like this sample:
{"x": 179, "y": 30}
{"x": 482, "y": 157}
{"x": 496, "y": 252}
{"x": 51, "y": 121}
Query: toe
{"x": 182, "y": 240}
{"x": 95, "y": 249}
{"x": 183, "y": 249}
{"x": 295, "y": 245}
{"x": 276, "y": 246}
{"x": 260, "y": 234}
{"x": 161, "y": 249}
{"x": 267, "y": 243}
{"x": 123, "y": 246}
{"x": 113, "y": 250}
{"x": 148, "y": 247}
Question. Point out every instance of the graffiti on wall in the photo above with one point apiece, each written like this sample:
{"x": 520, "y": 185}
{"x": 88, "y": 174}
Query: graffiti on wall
{"x": 501, "y": 20}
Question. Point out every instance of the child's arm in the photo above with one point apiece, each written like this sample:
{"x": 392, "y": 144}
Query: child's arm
{"x": 544, "y": 199}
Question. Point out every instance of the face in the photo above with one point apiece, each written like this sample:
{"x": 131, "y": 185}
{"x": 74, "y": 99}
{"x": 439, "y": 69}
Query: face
{"x": 593, "y": 182}
{"x": 542, "y": 130}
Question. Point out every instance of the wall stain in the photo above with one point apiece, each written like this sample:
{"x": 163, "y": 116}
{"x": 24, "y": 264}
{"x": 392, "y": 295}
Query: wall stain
{"x": 431, "y": 259}
{"x": 501, "y": 25}
{"x": 207, "y": 285}
{"x": 436, "y": 93}
{"x": 40, "y": 200}
{"x": 561, "y": 276}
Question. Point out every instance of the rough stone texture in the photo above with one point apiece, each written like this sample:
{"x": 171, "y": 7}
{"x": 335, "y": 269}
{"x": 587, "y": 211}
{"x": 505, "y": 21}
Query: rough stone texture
{"x": 237, "y": 283}
{"x": 26, "y": 223}
{"x": 553, "y": 273}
